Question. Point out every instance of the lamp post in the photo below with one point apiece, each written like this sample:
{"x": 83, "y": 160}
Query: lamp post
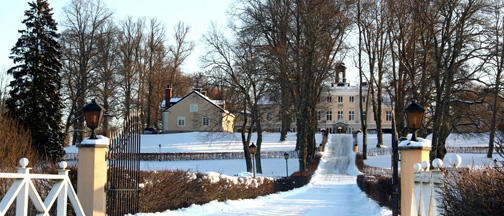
{"x": 160, "y": 152}
{"x": 252, "y": 150}
{"x": 93, "y": 114}
{"x": 414, "y": 115}
{"x": 286, "y": 156}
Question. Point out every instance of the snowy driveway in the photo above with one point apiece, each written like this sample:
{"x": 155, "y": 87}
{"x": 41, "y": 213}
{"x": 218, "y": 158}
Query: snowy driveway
{"x": 332, "y": 191}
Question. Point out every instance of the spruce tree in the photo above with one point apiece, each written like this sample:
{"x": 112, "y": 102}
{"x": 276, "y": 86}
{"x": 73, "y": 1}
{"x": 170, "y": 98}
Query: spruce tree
{"x": 35, "y": 98}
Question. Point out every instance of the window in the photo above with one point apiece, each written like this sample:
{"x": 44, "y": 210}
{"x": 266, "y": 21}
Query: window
{"x": 194, "y": 108}
{"x": 351, "y": 116}
{"x": 340, "y": 115}
{"x": 340, "y": 99}
{"x": 269, "y": 117}
{"x": 329, "y": 99}
{"x": 329, "y": 115}
{"x": 181, "y": 121}
{"x": 351, "y": 99}
{"x": 363, "y": 99}
{"x": 206, "y": 121}
{"x": 388, "y": 116}
{"x": 319, "y": 115}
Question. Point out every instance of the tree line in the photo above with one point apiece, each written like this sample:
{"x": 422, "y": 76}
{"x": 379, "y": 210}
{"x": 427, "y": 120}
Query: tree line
{"x": 445, "y": 54}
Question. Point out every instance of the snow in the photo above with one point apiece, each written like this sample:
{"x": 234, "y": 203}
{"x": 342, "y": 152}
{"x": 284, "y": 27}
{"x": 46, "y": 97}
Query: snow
{"x": 332, "y": 190}
{"x": 208, "y": 142}
{"x": 272, "y": 167}
{"x": 420, "y": 143}
{"x": 329, "y": 191}
{"x": 100, "y": 140}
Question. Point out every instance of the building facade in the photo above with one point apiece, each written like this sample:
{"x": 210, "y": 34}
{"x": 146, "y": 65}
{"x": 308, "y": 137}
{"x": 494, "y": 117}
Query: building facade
{"x": 338, "y": 109}
{"x": 195, "y": 112}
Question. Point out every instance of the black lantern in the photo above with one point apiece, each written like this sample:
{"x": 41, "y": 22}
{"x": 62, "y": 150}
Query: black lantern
{"x": 252, "y": 149}
{"x": 286, "y": 155}
{"x": 414, "y": 116}
{"x": 93, "y": 114}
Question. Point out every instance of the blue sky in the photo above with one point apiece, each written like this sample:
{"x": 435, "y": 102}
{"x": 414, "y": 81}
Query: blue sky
{"x": 196, "y": 13}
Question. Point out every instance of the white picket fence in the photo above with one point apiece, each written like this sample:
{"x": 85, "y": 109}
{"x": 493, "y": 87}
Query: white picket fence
{"x": 23, "y": 190}
{"x": 426, "y": 188}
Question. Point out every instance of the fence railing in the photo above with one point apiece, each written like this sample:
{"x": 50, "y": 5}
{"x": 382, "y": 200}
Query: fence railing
{"x": 23, "y": 190}
{"x": 426, "y": 186}
{"x": 197, "y": 156}
{"x": 453, "y": 149}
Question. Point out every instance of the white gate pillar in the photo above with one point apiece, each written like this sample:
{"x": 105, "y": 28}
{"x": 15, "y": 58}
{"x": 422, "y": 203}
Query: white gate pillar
{"x": 412, "y": 152}
{"x": 92, "y": 175}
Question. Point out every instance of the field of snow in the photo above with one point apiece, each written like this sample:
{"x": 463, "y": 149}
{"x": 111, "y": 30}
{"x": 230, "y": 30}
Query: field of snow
{"x": 208, "y": 142}
{"x": 272, "y": 167}
{"x": 231, "y": 142}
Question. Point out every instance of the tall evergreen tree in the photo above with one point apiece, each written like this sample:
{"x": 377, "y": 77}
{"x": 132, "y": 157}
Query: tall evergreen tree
{"x": 35, "y": 89}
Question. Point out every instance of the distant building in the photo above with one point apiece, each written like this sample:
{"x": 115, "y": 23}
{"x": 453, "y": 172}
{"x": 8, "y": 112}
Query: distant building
{"x": 338, "y": 110}
{"x": 195, "y": 112}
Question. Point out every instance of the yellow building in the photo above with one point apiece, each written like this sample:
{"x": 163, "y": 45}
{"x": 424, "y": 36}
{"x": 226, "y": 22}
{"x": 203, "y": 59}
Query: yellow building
{"x": 195, "y": 112}
{"x": 338, "y": 109}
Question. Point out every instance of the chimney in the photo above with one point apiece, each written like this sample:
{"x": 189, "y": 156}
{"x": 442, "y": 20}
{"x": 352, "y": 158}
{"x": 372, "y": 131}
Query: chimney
{"x": 168, "y": 92}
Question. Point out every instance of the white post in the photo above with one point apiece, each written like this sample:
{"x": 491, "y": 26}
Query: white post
{"x": 63, "y": 195}
{"x": 92, "y": 175}
{"x": 22, "y": 197}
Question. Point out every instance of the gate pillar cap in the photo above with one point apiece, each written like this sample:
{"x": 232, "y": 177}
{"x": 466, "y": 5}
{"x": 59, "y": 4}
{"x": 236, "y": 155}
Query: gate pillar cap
{"x": 423, "y": 144}
{"x": 99, "y": 142}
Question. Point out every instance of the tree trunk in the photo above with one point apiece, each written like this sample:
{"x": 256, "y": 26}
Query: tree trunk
{"x": 259, "y": 144}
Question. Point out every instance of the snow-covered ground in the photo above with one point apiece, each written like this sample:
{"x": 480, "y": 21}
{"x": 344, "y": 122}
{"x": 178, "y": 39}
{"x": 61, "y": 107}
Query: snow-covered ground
{"x": 272, "y": 167}
{"x": 231, "y": 142}
{"x": 208, "y": 142}
{"x": 332, "y": 191}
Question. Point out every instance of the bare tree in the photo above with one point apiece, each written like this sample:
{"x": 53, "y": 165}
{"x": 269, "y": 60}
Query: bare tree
{"x": 155, "y": 55}
{"x": 495, "y": 64}
{"x": 305, "y": 37}
{"x": 179, "y": 52}
{"x": 239, "y": 64}
{"x": 457, "y": 29}
{"x": 106, "y": 70}
{"x": 374, "y": 25}
{"x": 82, "y": 24}
{"x": 130, "y": 53}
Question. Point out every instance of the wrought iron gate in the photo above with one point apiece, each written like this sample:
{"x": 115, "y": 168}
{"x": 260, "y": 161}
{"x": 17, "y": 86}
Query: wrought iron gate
{"x": 124, "y": 169}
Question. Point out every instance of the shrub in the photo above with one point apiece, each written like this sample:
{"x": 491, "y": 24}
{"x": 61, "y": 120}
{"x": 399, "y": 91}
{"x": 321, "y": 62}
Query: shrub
{"x": 378, "y": 188}
{"x": 473, "y": 192}
{"x": 15, "y": 144}
{"x": 175, "y": 189}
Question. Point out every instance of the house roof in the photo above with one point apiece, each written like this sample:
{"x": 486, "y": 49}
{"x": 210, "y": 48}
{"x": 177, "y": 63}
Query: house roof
{"x": 172, "y": 101}
{"x": 210, "y": 101}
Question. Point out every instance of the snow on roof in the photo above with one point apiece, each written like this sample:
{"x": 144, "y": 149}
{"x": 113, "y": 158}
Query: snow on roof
{"x": 216, "y": 103}
{"x": 172, "y": 100}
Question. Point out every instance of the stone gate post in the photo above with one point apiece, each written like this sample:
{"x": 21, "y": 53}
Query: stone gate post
{"x": 411, "y": 152}
{"x": 92, "y": 175}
